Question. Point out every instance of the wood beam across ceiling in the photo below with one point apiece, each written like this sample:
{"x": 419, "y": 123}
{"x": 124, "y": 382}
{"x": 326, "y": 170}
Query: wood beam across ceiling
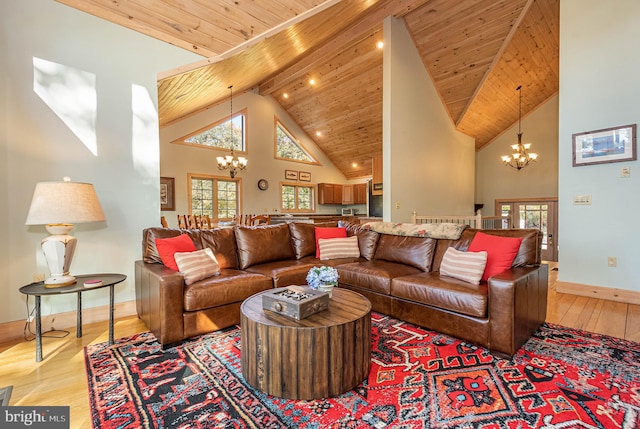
{"x": 365, "y": 26}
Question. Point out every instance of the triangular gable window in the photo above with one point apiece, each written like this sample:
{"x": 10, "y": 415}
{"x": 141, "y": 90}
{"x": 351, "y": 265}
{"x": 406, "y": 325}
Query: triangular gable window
{"x": 288, "y": 148}
{"x": 220, "y": 135}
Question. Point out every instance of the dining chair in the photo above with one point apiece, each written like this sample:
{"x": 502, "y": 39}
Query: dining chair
{"x": 259, "y": 220}
{"x": 182, "y": 222}
{"x": 205, "y": 222}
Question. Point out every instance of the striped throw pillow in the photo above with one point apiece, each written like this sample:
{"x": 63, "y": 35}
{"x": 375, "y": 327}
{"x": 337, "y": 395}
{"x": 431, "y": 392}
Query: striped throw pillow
{"x": 334, "y": 248}
{"x": 197, "y": 265}
{"x": 465, "y": 266}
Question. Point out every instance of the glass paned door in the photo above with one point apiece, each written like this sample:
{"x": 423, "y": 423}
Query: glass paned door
{"x": 535, "y": 214}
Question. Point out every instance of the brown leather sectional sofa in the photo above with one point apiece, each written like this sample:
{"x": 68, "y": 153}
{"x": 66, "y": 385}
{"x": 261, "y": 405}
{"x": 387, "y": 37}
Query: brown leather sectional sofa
{"x": 398, "y": 274}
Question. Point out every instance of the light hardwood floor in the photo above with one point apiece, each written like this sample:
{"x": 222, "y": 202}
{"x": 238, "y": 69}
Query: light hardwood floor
{"x": 60, "y": 378}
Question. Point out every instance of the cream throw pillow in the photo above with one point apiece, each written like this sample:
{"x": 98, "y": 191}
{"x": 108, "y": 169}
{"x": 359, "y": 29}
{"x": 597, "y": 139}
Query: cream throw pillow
{"x": 334, "y": 248}
{"x": 197, "y": 265}
{"x": 465, "y": 266}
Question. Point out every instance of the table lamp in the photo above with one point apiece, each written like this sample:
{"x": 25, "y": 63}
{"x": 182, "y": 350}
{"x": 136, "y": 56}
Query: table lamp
{"x": 59, "y": 205}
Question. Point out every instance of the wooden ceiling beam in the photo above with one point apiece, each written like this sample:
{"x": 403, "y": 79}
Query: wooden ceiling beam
{"x": 368, "y": 24}
{"x": 496, "y": 58}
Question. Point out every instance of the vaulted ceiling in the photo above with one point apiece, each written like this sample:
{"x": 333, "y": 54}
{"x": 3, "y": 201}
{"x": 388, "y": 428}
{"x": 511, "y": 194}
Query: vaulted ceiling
{"x": 477, "y": 53}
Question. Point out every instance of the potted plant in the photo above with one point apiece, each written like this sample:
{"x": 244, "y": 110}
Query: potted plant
{"x": 323, "y": 279}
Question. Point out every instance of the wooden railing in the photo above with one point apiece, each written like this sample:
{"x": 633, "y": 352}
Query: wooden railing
{"x": 475, "y": 221}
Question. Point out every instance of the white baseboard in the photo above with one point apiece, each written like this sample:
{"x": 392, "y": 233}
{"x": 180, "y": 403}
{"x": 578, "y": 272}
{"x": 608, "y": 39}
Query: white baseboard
{"x": 15, "y": 330}
{"x": 600, "y": 292}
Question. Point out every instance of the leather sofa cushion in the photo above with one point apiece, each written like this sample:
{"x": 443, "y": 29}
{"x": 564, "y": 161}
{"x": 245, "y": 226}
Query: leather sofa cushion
{"x": 260, "y": 244}
{"x": 367, "y": 239}
{"x": 150, "y": 252}
{"x": 442, "y": 292}
{"x": 283, "y": 273}
{"x": 529, "y": 253}
{"x": 230, "y": 286}
{"x": 303, "y": 238}
{"x": 223, "y": 243}
{"x": 413, "y": 251}
{"x": 374, "y": 275}
{"x": 311, "y": 259}
{"x": 304, "y": 243}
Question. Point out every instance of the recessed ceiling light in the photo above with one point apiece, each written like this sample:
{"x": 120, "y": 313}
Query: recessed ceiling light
{"x": 285, "y": 95}
{"x": 312, "y": 81}
{"x": 354, "y": 164}
{"x": 380, "y": 44}
{"x": 318, "y": 133}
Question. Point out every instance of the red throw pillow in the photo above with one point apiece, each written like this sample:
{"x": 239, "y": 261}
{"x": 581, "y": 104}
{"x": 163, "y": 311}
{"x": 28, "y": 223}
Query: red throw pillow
{"x": 167, "y": 247}
{"x": 501, "y": 251}
{"x": 330, "y": 232}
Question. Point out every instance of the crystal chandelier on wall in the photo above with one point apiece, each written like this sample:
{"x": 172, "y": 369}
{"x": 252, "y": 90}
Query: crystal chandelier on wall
{"x": 521, "y": 156}
{"x": 231, "y": 162}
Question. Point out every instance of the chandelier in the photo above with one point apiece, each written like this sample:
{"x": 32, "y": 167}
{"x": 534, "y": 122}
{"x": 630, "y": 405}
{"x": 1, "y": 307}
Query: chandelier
{"x": 231, "y": 162}
{"x": 520, "y": 157}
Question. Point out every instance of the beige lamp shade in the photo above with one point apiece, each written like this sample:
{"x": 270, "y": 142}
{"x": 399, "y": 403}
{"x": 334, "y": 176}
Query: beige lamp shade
{"x": 59, "y": 205}
{"x": 64, "y": 202}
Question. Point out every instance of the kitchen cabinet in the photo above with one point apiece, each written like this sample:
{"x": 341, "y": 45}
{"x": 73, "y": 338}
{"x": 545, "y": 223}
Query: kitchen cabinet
{"x": 329, "y": 193}
{"x": 333, "y": 193}
{"x": 347, "y": 194}
{"x": 360, "y": 193}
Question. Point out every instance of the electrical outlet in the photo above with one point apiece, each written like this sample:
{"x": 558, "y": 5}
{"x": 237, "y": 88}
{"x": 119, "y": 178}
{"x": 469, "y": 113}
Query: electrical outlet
{"x": 625, "y": 172}
{"x": 612, "y": 261}
{"x": 397, "y": 205}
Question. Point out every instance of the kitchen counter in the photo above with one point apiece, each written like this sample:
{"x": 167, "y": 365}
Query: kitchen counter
{"x": 319, "y": 218}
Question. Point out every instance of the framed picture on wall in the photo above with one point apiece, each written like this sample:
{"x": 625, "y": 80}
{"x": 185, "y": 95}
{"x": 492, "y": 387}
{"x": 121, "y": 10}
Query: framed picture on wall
{"x": 167, "y": 193}
{"x": 304, "y": 176}
{"x": 291, "y": 174}
{"x": 603, "y": 146}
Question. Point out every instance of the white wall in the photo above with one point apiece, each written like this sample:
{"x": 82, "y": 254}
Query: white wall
{"x": 178, "y": 160}
{"x": 119, "y": 68}
{"x": 494, "y": 180}
{"x": 428, "y": 166}
{"x": 599, "y": 88}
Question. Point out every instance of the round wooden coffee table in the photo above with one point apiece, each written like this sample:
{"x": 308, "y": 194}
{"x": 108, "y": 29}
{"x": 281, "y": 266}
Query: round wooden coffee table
{"x": 320, "y": 356}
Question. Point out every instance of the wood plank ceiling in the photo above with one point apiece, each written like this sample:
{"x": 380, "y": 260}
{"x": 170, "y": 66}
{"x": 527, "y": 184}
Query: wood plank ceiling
{"x": 476, "y": 51}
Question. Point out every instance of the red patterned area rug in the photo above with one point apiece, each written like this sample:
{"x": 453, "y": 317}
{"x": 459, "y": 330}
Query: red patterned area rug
{"x": 561, "y": 378}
